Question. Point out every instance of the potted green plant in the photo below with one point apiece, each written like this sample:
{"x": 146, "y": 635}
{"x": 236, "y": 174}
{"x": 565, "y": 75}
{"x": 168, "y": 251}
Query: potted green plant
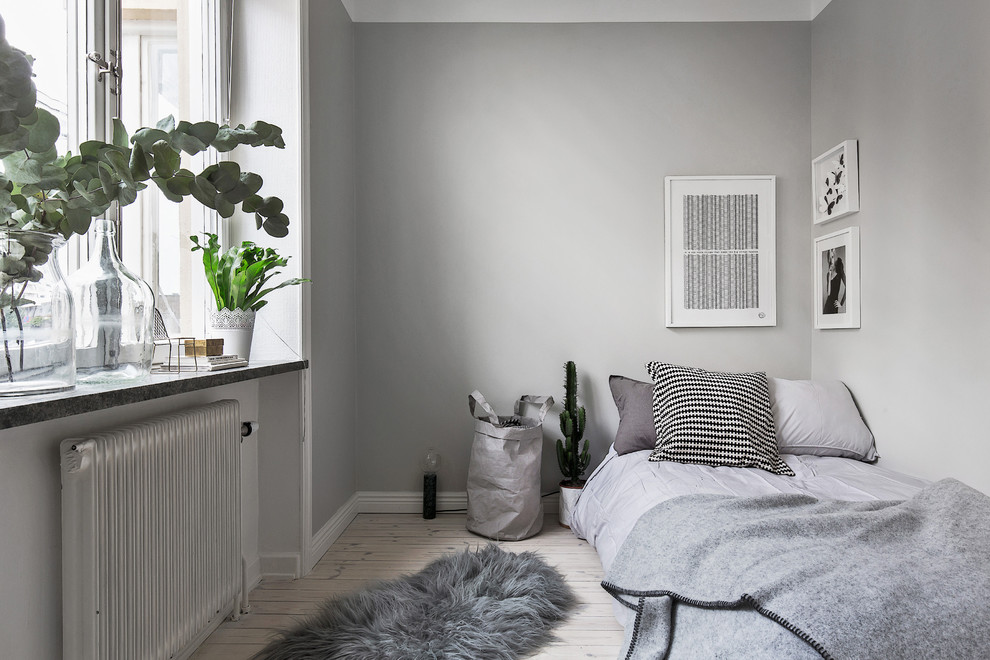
{"x": 572, "y": 457}
{"x": 238, "y": 278}
{"x": 46, "y": 197}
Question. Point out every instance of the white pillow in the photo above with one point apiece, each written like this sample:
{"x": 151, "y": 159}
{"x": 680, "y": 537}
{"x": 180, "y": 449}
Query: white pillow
{"x": 819, "y": 417}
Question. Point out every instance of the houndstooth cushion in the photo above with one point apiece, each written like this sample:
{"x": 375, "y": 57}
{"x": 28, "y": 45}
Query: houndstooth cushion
{"x": 713, "y": 418}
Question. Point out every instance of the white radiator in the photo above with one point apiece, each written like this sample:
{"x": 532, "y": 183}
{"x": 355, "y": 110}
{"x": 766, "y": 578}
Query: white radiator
{"x": 151, "y": 535}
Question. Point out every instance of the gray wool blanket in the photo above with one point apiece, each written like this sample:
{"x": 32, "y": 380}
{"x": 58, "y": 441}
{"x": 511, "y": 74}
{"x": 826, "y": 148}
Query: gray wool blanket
{"x": 789, "y": 576}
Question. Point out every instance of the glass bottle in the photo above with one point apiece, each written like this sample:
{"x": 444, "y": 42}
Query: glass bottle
{"x": 114, "y": 315}
{"x": 36, "y": 316}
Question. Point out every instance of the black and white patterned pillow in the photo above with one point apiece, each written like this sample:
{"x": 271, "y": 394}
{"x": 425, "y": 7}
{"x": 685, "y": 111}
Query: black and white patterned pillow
{"x": 714, "y": 418}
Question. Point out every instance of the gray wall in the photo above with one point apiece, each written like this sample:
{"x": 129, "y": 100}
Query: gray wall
{"x": 332, "y": 253}
{"x": 910, "y": 79}
{"x": 510, "y": 215}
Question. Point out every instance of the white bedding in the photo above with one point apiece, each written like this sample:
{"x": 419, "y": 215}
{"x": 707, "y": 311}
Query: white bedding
{"x": 625, "y": 487}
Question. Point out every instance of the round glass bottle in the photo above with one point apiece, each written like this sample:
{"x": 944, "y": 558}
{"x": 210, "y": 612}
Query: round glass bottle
{"x": 36, "y": 316}
{"x": 114, "y": 315}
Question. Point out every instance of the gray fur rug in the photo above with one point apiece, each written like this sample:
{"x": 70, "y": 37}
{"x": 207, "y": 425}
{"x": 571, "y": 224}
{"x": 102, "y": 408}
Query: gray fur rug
{"x": 475, "y": 604}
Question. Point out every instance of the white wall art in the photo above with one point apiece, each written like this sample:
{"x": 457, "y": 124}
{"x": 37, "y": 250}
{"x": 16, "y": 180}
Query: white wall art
{"x": 836, "y": 272}
{"x": 835, "y": 182}
{"x": 720, "y": 250}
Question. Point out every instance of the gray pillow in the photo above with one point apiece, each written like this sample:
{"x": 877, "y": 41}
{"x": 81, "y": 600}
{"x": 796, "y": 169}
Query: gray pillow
{"x": 634, "y": 399}
{"x": 820, "y": 418}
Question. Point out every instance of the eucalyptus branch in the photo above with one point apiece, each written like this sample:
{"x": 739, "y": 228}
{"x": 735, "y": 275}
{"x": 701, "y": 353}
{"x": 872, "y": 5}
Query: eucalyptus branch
{"x": 6, "y": 348}
{"x": 3, "y": 326}
{"x": 103, "y": 173}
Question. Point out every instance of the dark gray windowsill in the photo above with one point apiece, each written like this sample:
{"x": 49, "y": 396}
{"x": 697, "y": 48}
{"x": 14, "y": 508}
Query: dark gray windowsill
{"x": 22, "y": 410}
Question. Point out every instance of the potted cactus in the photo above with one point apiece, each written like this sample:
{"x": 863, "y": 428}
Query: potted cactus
{"x": 572, "y": 457}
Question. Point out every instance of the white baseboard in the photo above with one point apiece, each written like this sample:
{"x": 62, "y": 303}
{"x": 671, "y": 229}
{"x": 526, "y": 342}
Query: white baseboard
{"x": 406, "y": 501}
{"x": 281, "y": 565}
{"x": 287, "y": 565}
{"x": 551, "y": 503}
{"x": 332, "y": 530}
{"x": 252, "y": 574}
{"x": 370, "y": 501}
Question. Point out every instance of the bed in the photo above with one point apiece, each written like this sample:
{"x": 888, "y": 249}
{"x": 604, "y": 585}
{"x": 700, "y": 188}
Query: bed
{"x": 819, "y": 553}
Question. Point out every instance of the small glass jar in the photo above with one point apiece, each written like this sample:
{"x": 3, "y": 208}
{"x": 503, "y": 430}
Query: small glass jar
{"x": 114, "y": 315}
{"x": 36, "y": 316}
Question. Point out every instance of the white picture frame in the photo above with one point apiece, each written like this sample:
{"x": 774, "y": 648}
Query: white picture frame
{"x": 837, "y": 280}
{"x": 835, "y": 182}
{"x": 720, "y": 251}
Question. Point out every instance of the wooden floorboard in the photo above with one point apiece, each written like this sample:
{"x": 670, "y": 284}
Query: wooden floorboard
{"x": 382, "y": 546}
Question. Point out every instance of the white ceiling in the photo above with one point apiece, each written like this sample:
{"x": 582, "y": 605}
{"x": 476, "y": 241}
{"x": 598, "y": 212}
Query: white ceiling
{"x": 580, "y": 11}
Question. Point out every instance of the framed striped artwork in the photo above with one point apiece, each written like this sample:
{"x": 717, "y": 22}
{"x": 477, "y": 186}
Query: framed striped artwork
{"x": 720, "y": 251}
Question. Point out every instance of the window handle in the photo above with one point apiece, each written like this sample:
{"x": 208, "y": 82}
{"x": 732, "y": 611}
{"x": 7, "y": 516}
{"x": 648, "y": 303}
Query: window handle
{"x": 112, "y": 67}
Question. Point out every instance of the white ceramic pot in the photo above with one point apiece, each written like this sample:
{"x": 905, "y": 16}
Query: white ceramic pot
{"x": 568, "y": 499}
{"x": 236, "y": 328}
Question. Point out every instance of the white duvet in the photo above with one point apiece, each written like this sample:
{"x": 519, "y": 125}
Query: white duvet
{"x": 625, "y": 487}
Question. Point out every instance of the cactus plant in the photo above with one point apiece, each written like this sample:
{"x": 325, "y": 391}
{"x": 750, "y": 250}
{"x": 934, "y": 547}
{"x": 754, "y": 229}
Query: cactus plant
{"x": 572, "y": 457}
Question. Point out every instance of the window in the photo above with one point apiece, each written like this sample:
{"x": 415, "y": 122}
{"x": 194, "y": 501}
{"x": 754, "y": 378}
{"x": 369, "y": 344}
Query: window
{"x": 167, "y": 53}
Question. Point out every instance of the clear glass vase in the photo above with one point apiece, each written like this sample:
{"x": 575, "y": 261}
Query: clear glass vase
{"x": 114, "y": 315}
{"x": 36, "y": 316}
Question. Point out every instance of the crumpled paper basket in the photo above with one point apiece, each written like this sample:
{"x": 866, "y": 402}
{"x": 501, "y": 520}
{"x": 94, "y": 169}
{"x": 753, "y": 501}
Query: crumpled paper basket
{"x": 503, "y": 483}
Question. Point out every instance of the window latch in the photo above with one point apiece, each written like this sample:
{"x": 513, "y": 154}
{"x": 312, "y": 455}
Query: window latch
{"x": 112, "y": 68}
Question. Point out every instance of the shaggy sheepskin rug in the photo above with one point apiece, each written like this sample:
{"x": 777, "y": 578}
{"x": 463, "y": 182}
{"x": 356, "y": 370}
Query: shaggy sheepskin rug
{"x": 475, "y": 604}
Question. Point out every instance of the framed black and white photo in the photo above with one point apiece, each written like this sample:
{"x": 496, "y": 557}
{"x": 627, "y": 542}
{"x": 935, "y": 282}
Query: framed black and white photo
{"x": 835, "y": 182}
{"x": 720, "y": 250}
{"x": 836, "y": 261}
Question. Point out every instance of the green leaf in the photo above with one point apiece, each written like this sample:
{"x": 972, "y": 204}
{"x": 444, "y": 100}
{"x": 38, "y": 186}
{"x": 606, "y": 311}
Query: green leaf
{"x": 147, "y": 137}
{"x": 269, "y": 135}
{"x": 258, "y": 134}
{"x": 126, "y": 195}
{"x": 23, "y": 170}
{"x": 167, "y": 124}
{"x": 275, "y": 226}
{"x": 121, "y": 170}
{"x": 272, "y": 207}
{"x": 78, "y": 219}
{"x": 225, "y": 175}
{"x": 239, "y": 193}
{"x": 164, "y": 187}
{"x": 43, "y": 133}
{"x": 204, "y": 192}
{"x": 252, "y": 204}
{"x": 139, "y": 163}
{"x": 204, "y": 131}
{"x": 120, "y": 138}
{"x": 252, "y": 181}
{"x": 13, "y": 141}
{"x": 181, "y": 183}
{"x": 183, "y": 140}
{"x": 167, "y": 159}
{"x": 109, "y": 185}
{"x": 87, "y": 192}
{"x": 248, "y": 185}
{"x": 68, "y": 161}
{"x": 91, "y": 148}
{"x": 225, "y": 140}
{"x": 223, "y": 206}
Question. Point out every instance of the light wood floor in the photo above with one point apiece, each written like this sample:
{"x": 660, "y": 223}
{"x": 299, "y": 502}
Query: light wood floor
{"x": 384, "y": 546}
